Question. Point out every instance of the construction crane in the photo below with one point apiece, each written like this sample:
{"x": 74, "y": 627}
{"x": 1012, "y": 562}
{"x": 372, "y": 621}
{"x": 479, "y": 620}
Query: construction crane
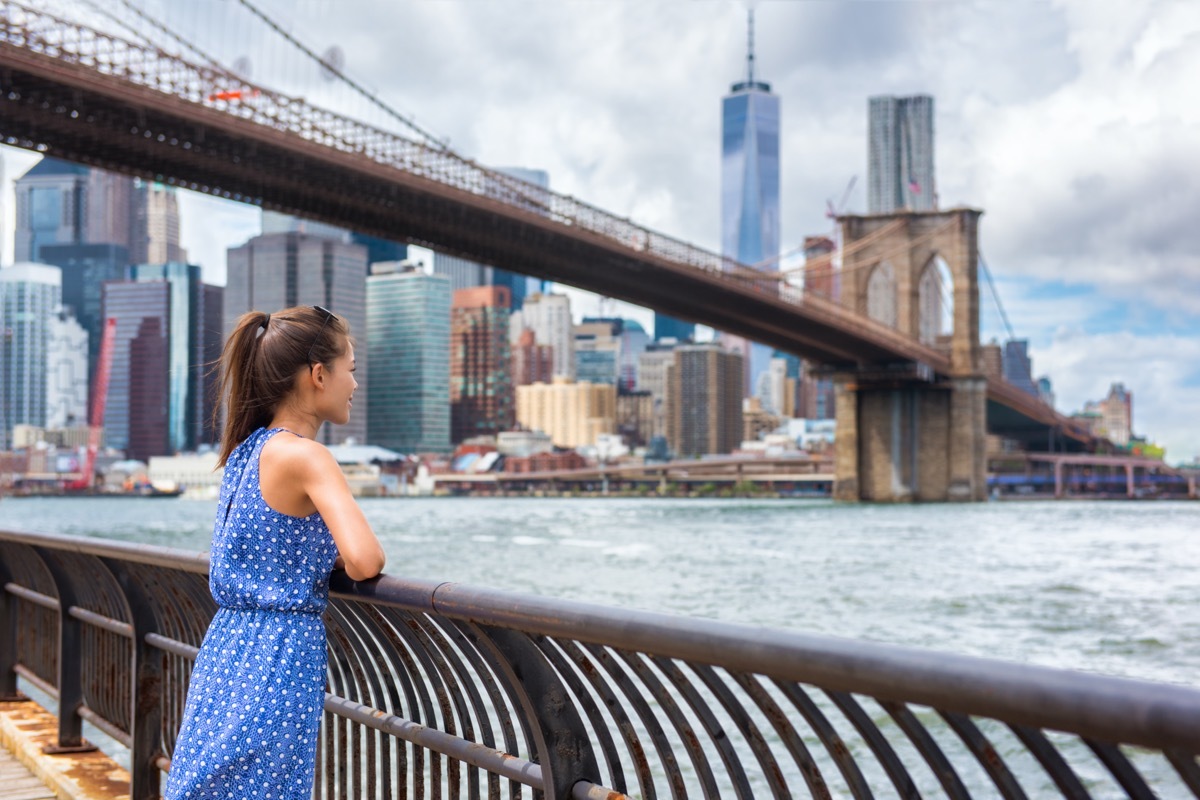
{"x": 87, "y": 475}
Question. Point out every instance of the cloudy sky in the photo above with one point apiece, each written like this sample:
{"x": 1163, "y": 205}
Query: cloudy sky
{"x": 1069, "y": 122}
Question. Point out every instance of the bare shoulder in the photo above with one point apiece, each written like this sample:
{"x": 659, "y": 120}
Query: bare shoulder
{"x": 297, "y": 457}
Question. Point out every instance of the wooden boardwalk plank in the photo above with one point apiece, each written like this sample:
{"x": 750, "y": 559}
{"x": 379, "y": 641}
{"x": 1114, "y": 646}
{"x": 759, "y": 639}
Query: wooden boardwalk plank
{"x": 17, "y": 782}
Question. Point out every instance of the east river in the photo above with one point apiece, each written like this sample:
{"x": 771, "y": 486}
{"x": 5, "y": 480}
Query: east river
{"x": 1106, "y": 586}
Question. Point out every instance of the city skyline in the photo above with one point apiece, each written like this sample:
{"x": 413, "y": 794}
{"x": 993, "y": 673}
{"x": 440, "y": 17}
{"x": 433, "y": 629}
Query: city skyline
{"x": 1079, "y": 151}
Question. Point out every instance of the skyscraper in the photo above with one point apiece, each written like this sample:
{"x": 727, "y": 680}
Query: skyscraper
{"x": 280, "y": 270}
{"x": 549, "y": 317}
{"x": 572, "y": 414}
{"x": 900, "y": 155}
{"x": 139, "y": 391}
{"x": 531, "y": 362}
{"x": 30, "y": 295}
{"x": 1017, "y": 366}
{"x": 154, "y": 220}
{"x": 408, "y": 340}
{"x": 706, "y": 400}
{"x": 66, "y": 372}
{"x": 481, "y": 392}
{"x": 750, "y": 188}
{"x": 186, "y": 350}
{"x": 671, "y": 328}
{"x": 60, "y": 203}
{"x": 51, "y": 207}
{"x": 85, "y": 270}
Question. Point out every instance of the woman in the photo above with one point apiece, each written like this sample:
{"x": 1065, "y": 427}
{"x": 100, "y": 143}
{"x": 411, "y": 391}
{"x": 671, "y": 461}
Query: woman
{"x": 285, "y": 519}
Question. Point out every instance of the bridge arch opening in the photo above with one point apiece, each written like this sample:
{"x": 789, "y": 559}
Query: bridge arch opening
{"x": 935, "y": 301}
{"x": 881, "y": 294}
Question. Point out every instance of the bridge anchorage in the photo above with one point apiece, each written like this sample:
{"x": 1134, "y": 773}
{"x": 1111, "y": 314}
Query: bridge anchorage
{"x": 913, "y": 431}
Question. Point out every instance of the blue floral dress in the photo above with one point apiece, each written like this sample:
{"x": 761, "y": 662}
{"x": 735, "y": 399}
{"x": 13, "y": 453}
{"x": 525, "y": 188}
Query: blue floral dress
{"x": 258, "y": 685}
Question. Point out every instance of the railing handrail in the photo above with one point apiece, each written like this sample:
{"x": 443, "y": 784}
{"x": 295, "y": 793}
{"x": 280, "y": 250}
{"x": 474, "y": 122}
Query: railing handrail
{"x": 1094, "y": 705}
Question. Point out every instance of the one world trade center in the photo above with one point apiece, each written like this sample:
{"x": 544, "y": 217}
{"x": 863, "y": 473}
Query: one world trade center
{"x": 750, "y": 190}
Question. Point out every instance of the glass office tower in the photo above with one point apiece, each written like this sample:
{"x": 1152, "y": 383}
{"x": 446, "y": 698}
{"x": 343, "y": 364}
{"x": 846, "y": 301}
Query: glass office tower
{"x": 408, "y": 339}
{"x": 30, "y": 294}
{"x": 750, "y": 189}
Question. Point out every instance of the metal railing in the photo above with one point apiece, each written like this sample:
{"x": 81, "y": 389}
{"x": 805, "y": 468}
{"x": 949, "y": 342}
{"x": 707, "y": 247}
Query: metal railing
{"x": 441, "y": 690}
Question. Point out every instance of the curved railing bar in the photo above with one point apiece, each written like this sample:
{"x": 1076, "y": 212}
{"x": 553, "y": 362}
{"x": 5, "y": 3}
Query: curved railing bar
{"x": 418, "y": 704}
{"x": 649, "y": 719}
{"x": 986, "y": 754}
{"x": 629, "y": 734}
{"x": 349, "y": 633}
{"x": 929, "y": 749}
{"x": 1125, "y": 773}
{"x": 439, "y": 705}
{"x": 803, "y": 759}
{"x": 681, "y": 724}
{"x": 892, "y": 765}
{"x": 556, "y": 733}
{"x": 570, "y": 675}
{"x": 1052, "y": 761}
{"x": 458, "y": 654}
{"x": 495, "y": 699}
{"x": 750, "y": 731}
{"x": 1185, "y": 764}
{"x": 455, "y": 713}
{"x": 339, "y": 727}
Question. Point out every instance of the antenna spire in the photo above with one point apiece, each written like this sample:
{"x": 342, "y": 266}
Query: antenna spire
{"x": 750, "y": 44}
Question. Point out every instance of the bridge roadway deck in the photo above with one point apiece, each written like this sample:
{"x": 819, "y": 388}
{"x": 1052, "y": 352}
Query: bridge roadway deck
{"x": 95, "y": 99}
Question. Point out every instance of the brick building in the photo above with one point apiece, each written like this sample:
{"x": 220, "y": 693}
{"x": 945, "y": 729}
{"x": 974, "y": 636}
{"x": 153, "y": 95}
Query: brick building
{"x": 481, "y": 390}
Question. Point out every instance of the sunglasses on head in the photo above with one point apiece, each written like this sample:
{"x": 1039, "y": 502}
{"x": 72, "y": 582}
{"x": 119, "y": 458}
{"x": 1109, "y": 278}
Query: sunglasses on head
{"x": 328, "y": 316}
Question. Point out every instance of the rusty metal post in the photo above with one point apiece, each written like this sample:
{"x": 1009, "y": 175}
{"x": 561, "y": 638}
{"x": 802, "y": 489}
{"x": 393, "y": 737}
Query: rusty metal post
{"x": 145, "y": 717}
{"x": 70, "y": 663}
{"x": 1058, "y": 480}
{"x": 564, "y": 747}
{"x": 8, "y": 641}
{"x": 1129, "y": 490}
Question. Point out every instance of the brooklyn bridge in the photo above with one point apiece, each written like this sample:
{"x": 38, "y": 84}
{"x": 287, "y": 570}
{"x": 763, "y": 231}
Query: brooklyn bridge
{"x": 913, "y": 411}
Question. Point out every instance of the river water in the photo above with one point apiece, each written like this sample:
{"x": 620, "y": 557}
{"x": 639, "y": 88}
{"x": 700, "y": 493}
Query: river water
{"x": 1105, "y": 586}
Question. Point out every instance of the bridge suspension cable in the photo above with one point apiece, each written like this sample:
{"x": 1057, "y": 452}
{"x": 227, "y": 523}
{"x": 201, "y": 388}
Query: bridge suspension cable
{"x": 337, "y": 72}
{"x": 995, "y": 295}
{"x": 527, "y": 191}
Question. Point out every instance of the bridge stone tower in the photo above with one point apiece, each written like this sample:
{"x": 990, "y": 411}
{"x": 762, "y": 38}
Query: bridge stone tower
{"x": 910, "y": 432}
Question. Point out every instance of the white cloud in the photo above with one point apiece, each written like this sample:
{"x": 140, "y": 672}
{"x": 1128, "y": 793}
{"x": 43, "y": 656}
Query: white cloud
{"x": 1162, "y": 371}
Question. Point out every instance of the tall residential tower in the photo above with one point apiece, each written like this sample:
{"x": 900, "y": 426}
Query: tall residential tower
{"x": 900, "y": 157}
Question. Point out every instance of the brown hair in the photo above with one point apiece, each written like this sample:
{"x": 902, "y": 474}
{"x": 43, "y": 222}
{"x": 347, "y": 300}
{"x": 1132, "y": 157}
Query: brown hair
{"x": 260, "y": 360}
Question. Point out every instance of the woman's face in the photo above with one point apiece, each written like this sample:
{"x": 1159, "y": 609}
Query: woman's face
{"x": 337, "y": 399}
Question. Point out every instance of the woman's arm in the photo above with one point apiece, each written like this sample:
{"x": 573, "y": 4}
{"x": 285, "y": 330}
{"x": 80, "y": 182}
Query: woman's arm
{"x": 324, "y": 483}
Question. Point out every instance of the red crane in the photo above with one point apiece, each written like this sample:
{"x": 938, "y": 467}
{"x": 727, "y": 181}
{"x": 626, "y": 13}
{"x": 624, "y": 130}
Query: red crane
{"x": 87, "y": 474}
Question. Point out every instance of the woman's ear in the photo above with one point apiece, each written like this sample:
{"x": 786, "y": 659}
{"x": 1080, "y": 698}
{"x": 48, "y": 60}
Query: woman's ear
{"x": 316, "y": 374}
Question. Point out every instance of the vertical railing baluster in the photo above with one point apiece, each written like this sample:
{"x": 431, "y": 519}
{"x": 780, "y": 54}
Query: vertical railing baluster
{"x": 70, "y": 665}
{"x": 146, "y": 688}
{"x": 8, "y": 640}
